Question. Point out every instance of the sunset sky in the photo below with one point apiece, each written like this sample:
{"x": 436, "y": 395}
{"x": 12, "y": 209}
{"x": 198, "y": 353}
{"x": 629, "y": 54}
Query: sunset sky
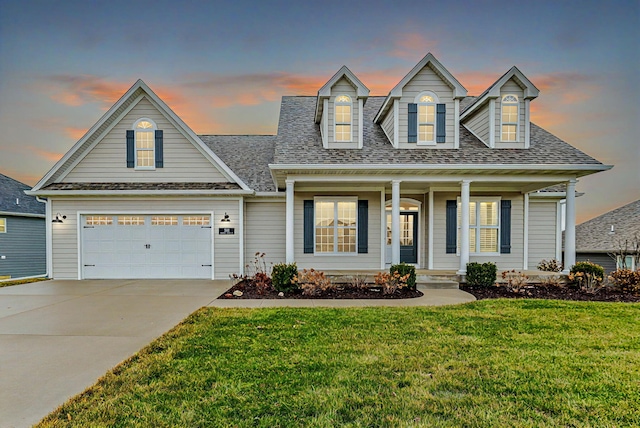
{"x": 223, "y": 67}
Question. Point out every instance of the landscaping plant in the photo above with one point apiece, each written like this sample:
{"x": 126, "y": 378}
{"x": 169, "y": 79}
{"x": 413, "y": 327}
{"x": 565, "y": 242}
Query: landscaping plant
{"x": 515, "y": 281}
{"x": 283, "y": 275}
{"x": 481, "y": 274}
{"x": 552, "y": 265}
{"x": 313, "y": 282}
{"x": 390, "y": 282}
{"x": 587, "y": 276}
{"x": 626, "y": 280}
{"x": 405, "y": 269}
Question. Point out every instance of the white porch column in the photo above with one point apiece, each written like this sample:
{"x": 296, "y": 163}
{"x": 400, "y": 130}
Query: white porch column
{"x": 290, "y": 258}
{"x": 395, "y": 222}
{"x": 570, "y": 227}
{"x": 464, "y": 226}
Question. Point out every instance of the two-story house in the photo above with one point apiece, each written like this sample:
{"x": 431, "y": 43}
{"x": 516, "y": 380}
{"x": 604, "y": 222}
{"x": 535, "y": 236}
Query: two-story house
{"x": 426, "y": 175}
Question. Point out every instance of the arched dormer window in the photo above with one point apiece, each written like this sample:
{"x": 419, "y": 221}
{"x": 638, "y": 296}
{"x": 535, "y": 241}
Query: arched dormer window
{"x": 343, "y": 118}
{"x": 427, "y": 117}
{"x": 509, "y": 127}
{"x": 144, "y": 131}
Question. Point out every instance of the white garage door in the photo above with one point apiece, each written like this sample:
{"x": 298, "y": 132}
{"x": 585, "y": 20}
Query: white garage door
{"x": 146, "y": 246}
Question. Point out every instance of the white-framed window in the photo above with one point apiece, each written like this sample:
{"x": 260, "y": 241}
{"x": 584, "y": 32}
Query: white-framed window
{"x": 343, "y": 118}
{"x": 131, "y": 220}
{"x": 145, "y": 143}
{"x": 98, "y": 220}
{"x": 628, "y": 262}
{"x": 336, "y": 225}
{"x": 195, "y": 220}
{"x": 164, "y": 220}
{"x": 426, "y": 102}
{"x": 509, "y": 117}
{"x": 484, "y": 225}
{"x": 3, "y": 225}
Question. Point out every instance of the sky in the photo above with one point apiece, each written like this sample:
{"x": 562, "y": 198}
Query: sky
{"x": 223, "y": 67}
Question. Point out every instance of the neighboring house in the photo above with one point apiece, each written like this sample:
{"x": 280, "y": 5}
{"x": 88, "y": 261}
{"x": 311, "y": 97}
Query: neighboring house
{"x": 599, "y": 239}
{"x": 22, "y": 231}
{"x": 426, "y": 175}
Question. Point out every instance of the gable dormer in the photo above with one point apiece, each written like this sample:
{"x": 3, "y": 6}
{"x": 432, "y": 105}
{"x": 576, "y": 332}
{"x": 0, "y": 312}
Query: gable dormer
{"x": 422, "y": 110}
{"x": 339, "y": 110}
{"x": 499, "y": 117}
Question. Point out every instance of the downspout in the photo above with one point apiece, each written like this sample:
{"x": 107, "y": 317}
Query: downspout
{"x": 48, "y": 238}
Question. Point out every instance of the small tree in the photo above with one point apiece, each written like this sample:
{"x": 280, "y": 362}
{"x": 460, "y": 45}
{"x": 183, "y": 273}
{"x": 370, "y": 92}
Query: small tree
{"x": 628, "y": 247}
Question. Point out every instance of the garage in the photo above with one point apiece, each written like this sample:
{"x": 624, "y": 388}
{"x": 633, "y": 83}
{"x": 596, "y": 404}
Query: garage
{"x": 141, "y": 246}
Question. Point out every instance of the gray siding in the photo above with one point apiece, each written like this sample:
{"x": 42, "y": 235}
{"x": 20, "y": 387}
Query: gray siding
{"x": 510, "y": 87}
{"x": 542, "y": 232}
{"x": 426, "y": 80}
{"x": 388, "y": 124}
{"x": 343, "y": 87}
{"x": 24, "y": 247}
{"x": 602, "y": 259}
{"x": 478, "y": 124}
{"x": 265, "y": 231}
{"x": 106, "y": 162}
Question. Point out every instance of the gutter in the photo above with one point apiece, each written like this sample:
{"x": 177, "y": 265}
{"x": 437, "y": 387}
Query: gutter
{"x": 48, "y": 237}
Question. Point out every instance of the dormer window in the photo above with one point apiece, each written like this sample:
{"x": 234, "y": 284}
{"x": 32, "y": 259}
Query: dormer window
{"x": 427, "y": 118}
{"x": 145, "y": 143}
{"x": 509, "y": 128}
{"x": 343, "y": 118}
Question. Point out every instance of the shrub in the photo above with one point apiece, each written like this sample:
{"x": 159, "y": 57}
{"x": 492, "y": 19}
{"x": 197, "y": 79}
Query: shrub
{"x": 256, "y": 276}
{"x": 481, "y": 274}
{"x": 404, "y": 269}
{"x": 588, "y": 276}
{"x": 313, "y": 282}
{"x": 626, "y": 279}
{"x": 516, "y": 281}
{"x": 358, "y": 282}
{"x": 390, "y": 282}
{"x": 552, "y": 265}
{"x": 282, "y": 277}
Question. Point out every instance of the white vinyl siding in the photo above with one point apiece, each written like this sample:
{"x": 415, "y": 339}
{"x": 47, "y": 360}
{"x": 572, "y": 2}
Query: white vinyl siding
{"x": 426, "y": 80}
{"x": 442, "y": 260}
{"x": 343, "y": 87}
{"x": 478, "y": 124}
{"x": 387, "y": 125}
{"x": 510, "y": 87}
{"x": 107, "y": 161}
{"x": 370, "y": 260}
{"x": 265, "y": 231}
{"x": 542, "y": 232}
{"x": 226, "y": 248}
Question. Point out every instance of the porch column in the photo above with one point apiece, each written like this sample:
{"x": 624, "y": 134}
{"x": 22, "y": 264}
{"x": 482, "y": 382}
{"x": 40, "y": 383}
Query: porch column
{"x": 395, "y": 222}
{"x": 464, "y": 226}
{"x": 570, "y": 227}
{"x": 290, "y": 258}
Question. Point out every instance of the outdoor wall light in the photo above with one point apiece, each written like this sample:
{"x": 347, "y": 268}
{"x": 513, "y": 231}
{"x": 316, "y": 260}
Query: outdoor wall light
{"x": 59, "y": 218}
{"x": 226, "y": 218}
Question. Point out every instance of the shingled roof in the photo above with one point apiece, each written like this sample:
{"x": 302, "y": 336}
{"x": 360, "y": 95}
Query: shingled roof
{"x": 299, "y": 142}
{"x": 14, "y": 200}
{"x": 595, "y": 235}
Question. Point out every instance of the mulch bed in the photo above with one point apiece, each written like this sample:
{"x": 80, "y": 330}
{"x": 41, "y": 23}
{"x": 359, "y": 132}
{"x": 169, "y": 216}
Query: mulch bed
{"x": 606, "y": 294}
{"x": 338, "y": 293}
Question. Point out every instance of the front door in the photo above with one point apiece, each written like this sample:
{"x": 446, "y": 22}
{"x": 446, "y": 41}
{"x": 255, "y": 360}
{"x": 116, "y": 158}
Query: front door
{"x": 408, "y": 237}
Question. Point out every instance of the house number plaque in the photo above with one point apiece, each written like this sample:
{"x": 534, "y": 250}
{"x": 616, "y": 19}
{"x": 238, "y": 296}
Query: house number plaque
{"x": 226, "y": 231}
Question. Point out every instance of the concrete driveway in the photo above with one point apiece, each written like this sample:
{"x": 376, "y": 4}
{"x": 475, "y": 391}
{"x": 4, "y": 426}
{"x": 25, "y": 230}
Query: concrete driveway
{"x": 58, "y": 337}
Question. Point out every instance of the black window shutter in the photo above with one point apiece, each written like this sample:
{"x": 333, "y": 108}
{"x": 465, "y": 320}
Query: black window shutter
{"x": 159, "y": 155}
{"x": 505, "y": 227}
{"x": 363, "y": 226}
{"x": 308, "y": 227}
{"x": 441, "y": 111}
{"x": 452, "y": 226}
{"x": 130, "y": 149}
{"x": 413, "y": 123}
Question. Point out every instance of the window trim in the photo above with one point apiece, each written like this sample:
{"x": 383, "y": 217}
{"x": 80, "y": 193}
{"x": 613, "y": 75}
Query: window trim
{"x": 153, "y": 130}
{"x": 335, "y": 200}
{"x": 477, "y": 226}
{"x": 516, "y": 123}
{"x": 619, "y": 262}
{"x": 435, "y": 102}
{"x": 335, "y": 120}
{"x": 3, "y": 225}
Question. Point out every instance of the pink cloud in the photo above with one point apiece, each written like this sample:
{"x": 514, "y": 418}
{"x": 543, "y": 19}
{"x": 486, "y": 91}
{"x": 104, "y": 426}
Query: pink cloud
{"x": 45, "y": 154}
{"x": 406, "y": 45}
{"x": 75, "y": 133}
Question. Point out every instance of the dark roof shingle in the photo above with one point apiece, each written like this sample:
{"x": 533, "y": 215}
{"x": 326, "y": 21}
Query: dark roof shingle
{"x": 595, "y": 235}
{"x": 14, "y": 200}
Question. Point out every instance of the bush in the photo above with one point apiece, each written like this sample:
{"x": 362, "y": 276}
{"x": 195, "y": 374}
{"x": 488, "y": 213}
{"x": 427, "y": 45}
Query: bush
{"x": 552, "y": 265}
{"x": 481, "y": 274}
{"x": 313, "y": 282}
{"x": 282, "y": 277}
{"x": 404, "y": 269}
{"x": 390, "y": 282}
{"x": 588, "y": 276}
{"x": 626, "y": 279}
{"x": 515, "y": 281}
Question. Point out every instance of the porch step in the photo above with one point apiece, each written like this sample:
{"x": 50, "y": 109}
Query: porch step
{"x": 439, "y": 285}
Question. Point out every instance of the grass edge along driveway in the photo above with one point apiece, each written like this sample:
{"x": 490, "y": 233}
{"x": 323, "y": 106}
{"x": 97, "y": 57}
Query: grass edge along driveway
{"x": 487, "y": 363}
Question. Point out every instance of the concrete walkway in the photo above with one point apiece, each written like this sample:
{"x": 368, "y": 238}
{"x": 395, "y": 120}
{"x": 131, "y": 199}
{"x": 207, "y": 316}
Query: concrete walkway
{"x": 58, "y": 337}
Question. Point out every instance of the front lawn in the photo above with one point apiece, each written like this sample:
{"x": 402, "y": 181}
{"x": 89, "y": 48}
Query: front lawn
{"x": 488, "y": 363}
{"x": 21, "y": 281}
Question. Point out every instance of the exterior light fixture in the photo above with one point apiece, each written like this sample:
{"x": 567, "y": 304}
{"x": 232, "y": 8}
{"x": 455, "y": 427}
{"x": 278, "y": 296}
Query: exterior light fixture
{"x": 59, "y": 218}
{"x": 225, "y": 218}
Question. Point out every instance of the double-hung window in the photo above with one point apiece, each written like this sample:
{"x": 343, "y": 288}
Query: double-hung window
{"x": 145, "y": 143}
{"x": 3, "y": 225}
{"x": 335, "y": 225}
{"x": 427, "y": 118}
{"x": 509, "y": 130}
{"x": 343, "y": 118}
{"x": 484, "y": 225}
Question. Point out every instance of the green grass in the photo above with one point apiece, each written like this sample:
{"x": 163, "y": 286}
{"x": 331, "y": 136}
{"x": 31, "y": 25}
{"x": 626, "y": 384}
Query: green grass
{"x": 21, "y": 281}
{"x": 524, "y": 363}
